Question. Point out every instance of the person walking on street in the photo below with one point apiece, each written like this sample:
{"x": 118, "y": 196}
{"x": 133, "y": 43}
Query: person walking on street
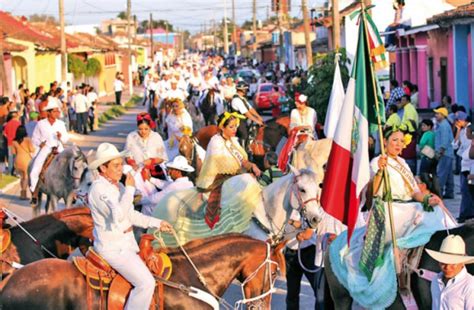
{"x": 118, "y": 88}
{"x": 9, "y": 131}
{"x": 81, "y": 106}
{"x": 444, "y": 153}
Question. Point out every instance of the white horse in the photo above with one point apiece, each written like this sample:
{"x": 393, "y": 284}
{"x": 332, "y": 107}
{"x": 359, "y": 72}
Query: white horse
{"x": 246, "y": 207}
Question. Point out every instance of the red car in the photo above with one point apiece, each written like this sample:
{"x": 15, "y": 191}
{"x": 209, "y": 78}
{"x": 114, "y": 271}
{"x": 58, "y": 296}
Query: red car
{"x": 266, "y": 96}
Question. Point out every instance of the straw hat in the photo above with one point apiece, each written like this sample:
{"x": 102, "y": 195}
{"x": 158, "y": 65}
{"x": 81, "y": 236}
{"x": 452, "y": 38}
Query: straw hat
{"x": 180, "y": 163}
{"x": 105, "y": 153}
{"x": 452, "y": 251}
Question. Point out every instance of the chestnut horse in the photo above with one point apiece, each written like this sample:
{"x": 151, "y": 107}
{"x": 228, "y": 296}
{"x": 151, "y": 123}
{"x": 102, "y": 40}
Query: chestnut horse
{"x": 189, "y": 148}
{"x": 59, "y": 233}
{"x": 57, "y": 284}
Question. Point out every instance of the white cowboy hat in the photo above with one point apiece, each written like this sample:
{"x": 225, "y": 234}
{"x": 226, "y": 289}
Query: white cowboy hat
{"x": 174, "y": 81}
{"x": 452, "y": 251}
{"x": 52, "y": 104}
{"x": 106, "y": 152}
{"x": 180, "y": 163}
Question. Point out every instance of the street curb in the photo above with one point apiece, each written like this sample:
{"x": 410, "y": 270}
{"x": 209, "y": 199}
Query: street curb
{"x": 9, "y": 187}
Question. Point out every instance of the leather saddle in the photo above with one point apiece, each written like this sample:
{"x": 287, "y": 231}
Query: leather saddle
{"x": 5, "y": 234}
{"x": 48, "y": 161}
{"x": 102, "y": 277}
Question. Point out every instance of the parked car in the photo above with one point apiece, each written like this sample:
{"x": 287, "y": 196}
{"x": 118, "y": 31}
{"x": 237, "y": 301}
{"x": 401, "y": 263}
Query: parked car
{"x": 248, "y": 74}
{"x": 266, "y": 97}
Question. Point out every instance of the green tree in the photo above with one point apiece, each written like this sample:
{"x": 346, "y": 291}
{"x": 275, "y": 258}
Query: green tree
{"x": 122, "y": 15}
{"x": 43, "y": 18}
{"x": 320, "y": 79}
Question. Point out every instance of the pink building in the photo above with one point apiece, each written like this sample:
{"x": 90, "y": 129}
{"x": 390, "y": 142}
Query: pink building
{"x": 438, "y": 57}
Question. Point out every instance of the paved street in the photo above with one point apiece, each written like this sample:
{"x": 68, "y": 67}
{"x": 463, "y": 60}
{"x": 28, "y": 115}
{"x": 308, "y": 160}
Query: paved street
{"x": 115, "y": 131}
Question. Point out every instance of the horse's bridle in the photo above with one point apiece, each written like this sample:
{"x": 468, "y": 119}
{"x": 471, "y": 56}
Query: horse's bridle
{"x": 301, "y": 204}
{"x": 267, "y": 263}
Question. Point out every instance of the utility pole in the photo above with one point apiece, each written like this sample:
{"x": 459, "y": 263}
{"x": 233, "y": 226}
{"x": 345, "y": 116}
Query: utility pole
{"x": 280, "y": 31}
{"x": 129, "y": 35}
{"x": 254, "y": 25}
{"x": 234, "y": 28}
{"x": 150, "y": 27}
{"x": 336, "y": 26}
{"x": 63, "y": 44}
{"x": 226, "y": 35}
{"x": 309, "y": 50}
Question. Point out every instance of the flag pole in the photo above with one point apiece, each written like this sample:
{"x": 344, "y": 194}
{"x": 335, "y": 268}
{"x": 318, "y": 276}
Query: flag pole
{"x": 385, "y": 177}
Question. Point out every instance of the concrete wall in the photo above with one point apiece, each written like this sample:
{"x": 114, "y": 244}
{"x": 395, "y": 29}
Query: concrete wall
{"x": 45, "y": 68}
{"x": 7, "y": 60}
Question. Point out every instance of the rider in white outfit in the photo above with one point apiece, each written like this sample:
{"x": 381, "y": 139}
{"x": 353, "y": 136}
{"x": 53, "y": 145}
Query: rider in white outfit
{"x": 112, "y": 211}
{"x": 49, "y": 133}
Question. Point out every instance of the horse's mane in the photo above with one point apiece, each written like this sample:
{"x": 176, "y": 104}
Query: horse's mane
{"x": 46, "y": 220}
{"x": 193, "y": 245}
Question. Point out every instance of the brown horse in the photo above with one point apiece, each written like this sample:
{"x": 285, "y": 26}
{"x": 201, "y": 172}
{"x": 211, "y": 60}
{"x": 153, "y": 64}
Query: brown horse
{"x": 59, "y": 233}
{"x": 57, "y": 284}
{"x": 188, "y": 148}
{"x": 205, "y": 134}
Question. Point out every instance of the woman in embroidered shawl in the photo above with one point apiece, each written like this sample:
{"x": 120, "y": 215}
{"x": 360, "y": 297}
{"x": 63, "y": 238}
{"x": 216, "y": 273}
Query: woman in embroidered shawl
{"x": 146, "y": 149}
{"x": 366, "y": 268}
{"x": 224, "y": 158}
{"x": 178, "y": 122}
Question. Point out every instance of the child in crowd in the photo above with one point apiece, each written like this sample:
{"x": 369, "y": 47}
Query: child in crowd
{"x": 272, "y": 172}
{"x": 393, "y": 118}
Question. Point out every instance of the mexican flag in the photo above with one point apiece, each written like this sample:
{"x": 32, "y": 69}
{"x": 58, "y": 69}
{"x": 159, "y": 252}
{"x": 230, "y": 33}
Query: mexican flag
{"x": 348, "y": 170}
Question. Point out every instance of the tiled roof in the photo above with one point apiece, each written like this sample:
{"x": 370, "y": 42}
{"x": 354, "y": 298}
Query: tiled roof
{"x": 12, "y": 47}
{"x": 55, "y": 32}
{"x": 20, "y": 29}
{"x": 461, "y": 12}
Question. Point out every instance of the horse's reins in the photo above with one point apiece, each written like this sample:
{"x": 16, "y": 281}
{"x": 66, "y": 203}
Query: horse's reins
{"x": 198, "y": 273}
{"x": 14, "y": 218}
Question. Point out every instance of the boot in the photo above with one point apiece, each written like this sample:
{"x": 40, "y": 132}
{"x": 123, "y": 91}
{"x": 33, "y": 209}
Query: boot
{"x": 23, "y": 195}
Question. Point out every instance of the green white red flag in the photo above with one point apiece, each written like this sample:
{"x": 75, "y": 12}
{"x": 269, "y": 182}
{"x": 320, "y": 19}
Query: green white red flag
{"x": 348, "y": 170}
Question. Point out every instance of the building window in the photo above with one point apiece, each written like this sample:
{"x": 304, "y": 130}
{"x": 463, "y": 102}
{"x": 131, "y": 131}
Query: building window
{"x": 430, "y": 78}
{"x": 109, "y": 59}
{"x": 443, "y": 75}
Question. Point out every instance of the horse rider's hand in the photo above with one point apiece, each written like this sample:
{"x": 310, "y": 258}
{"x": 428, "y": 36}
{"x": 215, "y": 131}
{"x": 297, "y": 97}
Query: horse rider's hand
{"x": 166, "y": 227}
{"x": 130, "y": 180}
{"x": 382, "y": 162}
{"x": 434, "y": 200}
{"x": 256, "y": 170}
{"x": 146, "y": 175}
{"x": 58, "y": 134}
{"x": 147, "y": 162}
{"x": 295, "y": 224}
{"x": 42, "y": 144}
{"x": 305, "y": 235}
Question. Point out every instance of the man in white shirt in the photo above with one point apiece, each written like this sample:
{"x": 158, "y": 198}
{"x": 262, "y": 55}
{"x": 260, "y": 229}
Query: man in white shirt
{"x": 177, "y": 170}
{"x": 175, "y": 92}
{"x": 240, "y": 104}
{"x": 49, "y": 133}
{"x": 118, "y": 88}
{"x": 453, "y": 288}
{"x": 81, "y": 106}
{"x": 114, "y": 216}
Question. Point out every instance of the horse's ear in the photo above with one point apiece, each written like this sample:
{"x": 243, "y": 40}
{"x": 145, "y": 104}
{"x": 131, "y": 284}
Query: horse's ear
{"x": 294, "y": 170}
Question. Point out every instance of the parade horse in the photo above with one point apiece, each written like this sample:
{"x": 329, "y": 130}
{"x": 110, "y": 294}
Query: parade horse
{"x": 189, "y": 148}
{"x": 61, "y": 178}
{"x": 419, "y": 287}
{"x": 57, "y": 284}
{"x": 208, "y": 107}
{"x": 246, "y": 207}
{"x": 58, "y": 234}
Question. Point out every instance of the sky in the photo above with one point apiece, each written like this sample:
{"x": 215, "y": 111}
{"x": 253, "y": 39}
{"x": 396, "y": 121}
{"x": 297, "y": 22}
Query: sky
{"x": 185, "y": 14}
